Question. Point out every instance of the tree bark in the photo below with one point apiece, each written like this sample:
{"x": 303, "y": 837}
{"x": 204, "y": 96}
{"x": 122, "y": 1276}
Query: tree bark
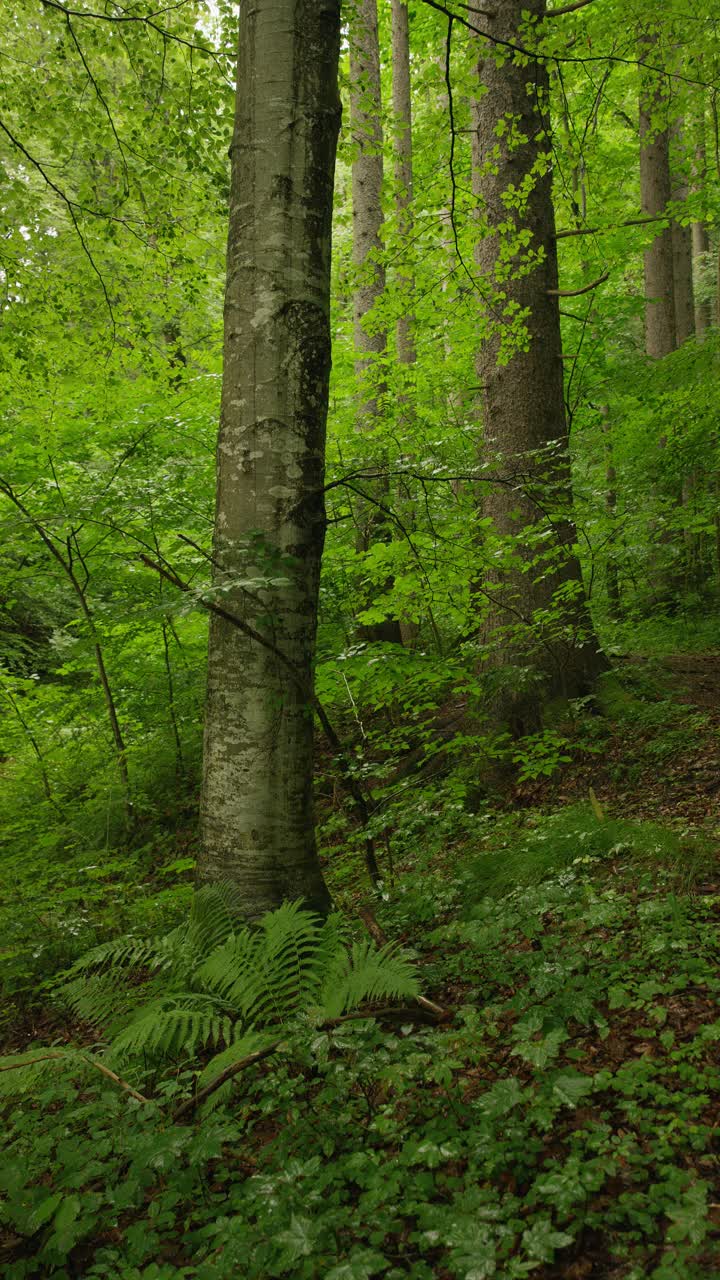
{"x": 700, "y": 240}
{"x": 612, "y": 578}
{"x": 367, "y": 181}
{"x": 683, "y": 291}
{"x": 537, "y": 616}
{"x": 655, "y": 195}
{"x": 402, "y": 111}
{"x": 257, "y": 806}
{"x": 370, "y": 337}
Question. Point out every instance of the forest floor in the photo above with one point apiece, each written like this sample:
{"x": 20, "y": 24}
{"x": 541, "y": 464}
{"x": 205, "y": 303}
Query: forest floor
{"x": 561, "y": 1122}
{"x": 661, "y": 763}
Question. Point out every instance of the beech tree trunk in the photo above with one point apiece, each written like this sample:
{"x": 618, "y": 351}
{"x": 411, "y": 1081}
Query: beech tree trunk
{"x": 683, "y": 282}
{"x": 655, "y": 195}
{"x": 257, "y": 806}
{"x": 700, "y": 240}
{"x": 683, "y": 291}
{"x": 538, "y": 616}
{"x": 370, "y": 338}
{"x": 402, "y": 111}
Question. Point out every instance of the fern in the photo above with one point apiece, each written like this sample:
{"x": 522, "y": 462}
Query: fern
{"x": 216, "y": 984}
{"x": 267, "y": 974}
{"x": 104, "y": 999}
{"x": 23, "y": 1073}
{"x": 366, "y": 973}
{"x": 250, "y": 1042}
{"x": 171, "y": 1032}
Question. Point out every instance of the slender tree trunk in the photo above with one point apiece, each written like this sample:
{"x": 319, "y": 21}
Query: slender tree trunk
{"x": 683, "y": 282}
{"x": 655, "y": 195}
{"x": 172, "y": 715}
{"x": 612, "y": 578}
{"x": 700, "y": 239}
{"x": 367, "y": 181}
{"x": 405, "y": 324}
{"x": 118, "y": 739}
{"x": 257, "y": 806}
{"x": 68, "y": 558}
{"x": 700, "y": 248}
{"x": 538, "y": 615}
{"x": 370, "y": 338}
{"x": 402, "y": 111}
{"x": 683, "y": 292}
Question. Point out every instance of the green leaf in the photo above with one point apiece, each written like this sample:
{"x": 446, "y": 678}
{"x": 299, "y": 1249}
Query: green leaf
{"x": 504, "y": 1096}
{"x": 299, "y": 1239}
{"x": 43, "y": 1211}
{"x": 571, "y": 1088}
{"x": 67, "y": 1213}
{"x": 540, "y": 1052}
{"x": 361, "y": 1265}
{"x": 689, "y": 1217}
{"x": 541, "y": 1240}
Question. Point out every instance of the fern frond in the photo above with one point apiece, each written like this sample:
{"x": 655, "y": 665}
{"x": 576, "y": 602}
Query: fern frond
{"x": 228, "y": 967}
{"x": 122, "y": 953}
{"x": 22, "y": 1073}
{"x": 177, "y": 1031}
{"x": 213, "y": 918}
{"x": 265, "y": 974}
{"x": 250, "y": 1042}
{"x": 366, "y": 973}
{"x": 289, "y": 965}
{"x": 105, "y": 999}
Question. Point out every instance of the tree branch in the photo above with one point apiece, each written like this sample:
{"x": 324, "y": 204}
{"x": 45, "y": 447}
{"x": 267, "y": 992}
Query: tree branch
{"x": 593, "y": 231}
{"x": 567, "y": 8}
{"x": 90, "y": 1062}
{"x": 576, "y": 293}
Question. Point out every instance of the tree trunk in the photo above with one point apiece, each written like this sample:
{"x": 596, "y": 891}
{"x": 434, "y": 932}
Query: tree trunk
{"x": 523, "y": 402}
{"x": 612, "y": 579}
{"x": 655, "y": 195}
{"x": 405, "y": 324}
{"x": 257, "y": 806}
{"x": 370, "y": 339}
{"x": 683, "y": 292}
{"x": 402, "y": 111}
{"x": 700, "y": 240}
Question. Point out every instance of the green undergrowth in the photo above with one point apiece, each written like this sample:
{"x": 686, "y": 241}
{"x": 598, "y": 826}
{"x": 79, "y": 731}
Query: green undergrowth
{"x": 562, "y": 1123}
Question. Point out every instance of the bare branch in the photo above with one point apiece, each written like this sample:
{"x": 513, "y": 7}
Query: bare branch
{"x": 90, "y": 1062}
{"x": 594, "y": 231}
{"x": 186, "y": 1107}
{"x": 576, "y": 293}
{"x": 567, "y": 8}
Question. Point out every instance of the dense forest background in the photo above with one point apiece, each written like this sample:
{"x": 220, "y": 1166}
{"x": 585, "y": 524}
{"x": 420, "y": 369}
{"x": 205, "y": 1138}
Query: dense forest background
{"x": 541, "y": 838}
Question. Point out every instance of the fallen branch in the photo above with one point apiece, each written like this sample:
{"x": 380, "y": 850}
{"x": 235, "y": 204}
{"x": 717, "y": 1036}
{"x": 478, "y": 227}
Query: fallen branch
{"x": 380, "y": 938}
{"x": 191, "y": 1103}
{"x": 90, "y": 1062}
